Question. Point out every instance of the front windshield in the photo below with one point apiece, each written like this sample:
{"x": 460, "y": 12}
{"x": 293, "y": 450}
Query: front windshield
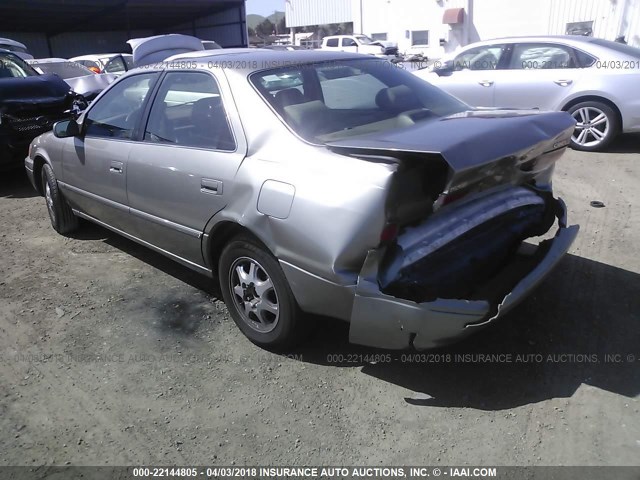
{"x": 327, "y": 101}
{"x": 12, "y": 66}
{"x": 62, "y": 69}
{"x": 364, "y": 39}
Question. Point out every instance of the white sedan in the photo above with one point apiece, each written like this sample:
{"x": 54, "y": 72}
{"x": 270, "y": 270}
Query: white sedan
{"x": 593, "y": 79}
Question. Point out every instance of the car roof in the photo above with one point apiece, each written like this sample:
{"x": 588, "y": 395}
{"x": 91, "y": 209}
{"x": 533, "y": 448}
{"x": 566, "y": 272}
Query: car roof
{"x": 245, "y": 61}
{"x": 48, "y": 60}
{"x": 94, "y": 56}
{"x": 8, "y": 41}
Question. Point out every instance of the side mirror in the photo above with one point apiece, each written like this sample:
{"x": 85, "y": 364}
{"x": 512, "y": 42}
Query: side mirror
{"x": 445, "y": 69}
{"x": 66, "y": 128}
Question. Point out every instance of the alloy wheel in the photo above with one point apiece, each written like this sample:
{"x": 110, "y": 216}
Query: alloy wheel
{"x": 592, "y": 127}
{"x": 254, "y": 294}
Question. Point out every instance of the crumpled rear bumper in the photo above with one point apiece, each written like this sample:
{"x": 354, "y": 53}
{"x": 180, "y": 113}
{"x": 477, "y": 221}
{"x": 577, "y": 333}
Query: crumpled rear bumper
{"x": 382, "y": 320}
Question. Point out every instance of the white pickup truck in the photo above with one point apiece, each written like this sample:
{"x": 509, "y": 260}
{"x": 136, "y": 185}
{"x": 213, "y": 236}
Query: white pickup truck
{"x": 358, "y": 43}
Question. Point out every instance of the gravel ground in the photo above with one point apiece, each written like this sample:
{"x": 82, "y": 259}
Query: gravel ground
{"x": 111, "y": 354}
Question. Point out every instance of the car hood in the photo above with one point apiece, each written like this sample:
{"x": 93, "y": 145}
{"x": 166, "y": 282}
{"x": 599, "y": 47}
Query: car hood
{"x": 41, "y": 89}
{"x": 471, "y": 139}
{"x": 91, "y": 84}
{"x": 155, "y": 49}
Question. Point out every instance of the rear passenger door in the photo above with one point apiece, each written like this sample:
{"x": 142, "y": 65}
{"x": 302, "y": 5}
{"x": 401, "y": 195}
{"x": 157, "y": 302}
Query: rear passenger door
{"x": 183, "y": 171}
{"x": 538, "y": 75}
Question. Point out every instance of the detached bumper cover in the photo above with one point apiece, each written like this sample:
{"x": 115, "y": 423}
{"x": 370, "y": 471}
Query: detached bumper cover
{"x": 381, "y": 320}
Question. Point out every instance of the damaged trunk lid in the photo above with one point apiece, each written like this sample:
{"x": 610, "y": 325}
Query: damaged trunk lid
{"x": 472, "y": 150}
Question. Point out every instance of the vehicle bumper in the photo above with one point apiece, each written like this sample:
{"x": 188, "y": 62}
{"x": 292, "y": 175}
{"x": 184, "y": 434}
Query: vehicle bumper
{"x": 28, "y": 166}
{"x": 384, "y": 321}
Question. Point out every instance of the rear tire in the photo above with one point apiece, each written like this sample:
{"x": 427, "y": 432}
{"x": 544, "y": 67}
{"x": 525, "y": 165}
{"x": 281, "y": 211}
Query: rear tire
{"x": 258, "y": 296}
{"x": 597, "y": 126}
{"x": 62, "y": 218}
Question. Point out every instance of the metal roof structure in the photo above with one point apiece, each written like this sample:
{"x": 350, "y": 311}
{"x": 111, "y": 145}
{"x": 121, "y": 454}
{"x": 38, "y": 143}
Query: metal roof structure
{"x": 52, "y": 17}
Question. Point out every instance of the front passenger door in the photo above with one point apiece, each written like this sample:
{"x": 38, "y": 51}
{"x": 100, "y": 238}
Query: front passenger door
{"x": 95, "y": 163}
{"x": 473, "y": 75}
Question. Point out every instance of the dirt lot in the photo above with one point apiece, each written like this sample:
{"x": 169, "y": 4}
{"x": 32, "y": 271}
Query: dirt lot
{"x": 111, "y": 355}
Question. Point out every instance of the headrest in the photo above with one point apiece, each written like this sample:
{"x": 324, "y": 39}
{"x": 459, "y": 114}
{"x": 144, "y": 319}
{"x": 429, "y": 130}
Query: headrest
{"x": 397, "y": 99}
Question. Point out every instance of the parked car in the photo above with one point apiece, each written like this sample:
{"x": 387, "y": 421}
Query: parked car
{"x": 17, "y": 48}
{"x": 362, "y": 193}
{"x": 210, "y": 45}
{"x": 30, "y": 103}
{"x": 79, "y": 78}
{"x": 594, "y": 80}
{"x": 358, "y": 44}
{"x": 284, "y": 47}
{"x": 116, "y": 63}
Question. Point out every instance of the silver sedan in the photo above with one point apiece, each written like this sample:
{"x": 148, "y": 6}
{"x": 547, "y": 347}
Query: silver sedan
{"x": 318, "y": 182}
{"x": 594, "y": 80}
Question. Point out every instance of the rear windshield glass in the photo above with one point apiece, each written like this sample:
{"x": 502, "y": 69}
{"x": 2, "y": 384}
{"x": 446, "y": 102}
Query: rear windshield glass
{"x": 62, "y": 69}
{"x": 327, "y": 101}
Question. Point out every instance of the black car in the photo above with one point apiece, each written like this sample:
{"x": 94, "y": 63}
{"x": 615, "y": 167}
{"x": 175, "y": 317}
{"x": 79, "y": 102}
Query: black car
{"x": 30, "y": 104}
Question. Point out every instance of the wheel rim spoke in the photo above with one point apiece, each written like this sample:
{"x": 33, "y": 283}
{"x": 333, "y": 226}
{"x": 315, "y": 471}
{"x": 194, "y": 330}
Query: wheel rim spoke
{"x": 600, "y": 119}
{"x": 597, "y": 134}
{"x": 263, "y": 287}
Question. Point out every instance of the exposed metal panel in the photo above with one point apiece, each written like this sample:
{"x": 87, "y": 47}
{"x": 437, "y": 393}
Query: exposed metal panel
{"x": 73, "y": 44}
{"x": 228, "y": 16}
{"x": 225, "y": 36}
{"x": 300, "y": 13}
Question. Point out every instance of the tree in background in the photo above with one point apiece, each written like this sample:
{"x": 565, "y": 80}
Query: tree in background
{"x": 265, "y": 28}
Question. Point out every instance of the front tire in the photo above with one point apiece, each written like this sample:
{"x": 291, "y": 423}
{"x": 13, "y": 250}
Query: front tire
{"x": 597, "y": 126}
{"x": 62, "y": 218}
{"x": 258, "y": 295}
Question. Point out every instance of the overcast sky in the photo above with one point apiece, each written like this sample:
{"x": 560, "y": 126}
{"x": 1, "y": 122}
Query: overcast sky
{"x": 264, "y": 7}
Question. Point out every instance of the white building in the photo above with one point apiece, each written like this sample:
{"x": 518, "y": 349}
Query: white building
{"x": 445, "y": 25}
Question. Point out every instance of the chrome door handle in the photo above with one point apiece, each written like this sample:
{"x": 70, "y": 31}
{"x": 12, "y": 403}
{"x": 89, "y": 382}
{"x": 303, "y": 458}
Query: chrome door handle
{"x": 116, "y": 167}
{"x": 563, "y": 83}
{"x": 211, "y": 186}
{"x": 486, "y": 83}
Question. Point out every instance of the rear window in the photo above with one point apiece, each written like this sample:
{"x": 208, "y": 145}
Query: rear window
{"x": 62, "y": 69}
{"x": 327, "y": 101}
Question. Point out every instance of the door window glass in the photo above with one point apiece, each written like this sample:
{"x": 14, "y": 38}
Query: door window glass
{"x": 479, "y": 58}
{"x": 188, "y": 110}
{"x": 541, "y": 56}
{"x": 115, "y": 65}
{"x": 117, "y": 112}
{"x": 349, "y": 42}
{"x": 332, "y": 42}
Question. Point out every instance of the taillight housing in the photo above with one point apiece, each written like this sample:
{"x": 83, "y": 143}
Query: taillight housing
{"x": 95, "y": 69}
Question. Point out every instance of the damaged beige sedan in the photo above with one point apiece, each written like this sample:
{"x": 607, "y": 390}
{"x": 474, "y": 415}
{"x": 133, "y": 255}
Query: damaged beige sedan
{"x": 318, "y": 182}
